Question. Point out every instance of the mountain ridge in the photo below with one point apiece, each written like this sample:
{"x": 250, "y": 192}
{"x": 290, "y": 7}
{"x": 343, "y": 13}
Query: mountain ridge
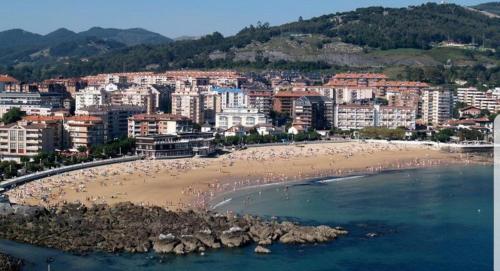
{"x": 366, "y": 38}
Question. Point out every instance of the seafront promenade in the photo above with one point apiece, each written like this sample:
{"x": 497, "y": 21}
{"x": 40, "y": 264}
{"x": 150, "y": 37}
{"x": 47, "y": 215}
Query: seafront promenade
{"x": 55, "y": 171}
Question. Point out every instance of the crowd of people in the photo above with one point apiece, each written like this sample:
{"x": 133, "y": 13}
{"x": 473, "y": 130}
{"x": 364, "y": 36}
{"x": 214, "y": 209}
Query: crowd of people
{"x": 231, "y": 173}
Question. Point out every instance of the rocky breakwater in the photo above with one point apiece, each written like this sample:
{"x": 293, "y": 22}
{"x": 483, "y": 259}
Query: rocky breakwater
{"x": 130, "y": 228}
{"x": 8, "y": 263}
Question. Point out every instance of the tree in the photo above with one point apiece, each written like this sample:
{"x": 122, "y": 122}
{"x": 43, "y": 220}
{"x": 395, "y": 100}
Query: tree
{"x": 14, "y": 114}
{"x": 466, "y": 134}
{"x": 81, "y": 149}
{"x": 444, "y": 135}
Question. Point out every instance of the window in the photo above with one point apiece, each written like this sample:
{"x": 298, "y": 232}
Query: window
{"x": 251, "y": 121}
{"x": 13, "y": 135}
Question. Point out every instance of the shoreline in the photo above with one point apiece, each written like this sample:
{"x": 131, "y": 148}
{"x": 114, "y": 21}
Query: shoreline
{"x": 193, "y": 183}
{"x": 221, "y": 197}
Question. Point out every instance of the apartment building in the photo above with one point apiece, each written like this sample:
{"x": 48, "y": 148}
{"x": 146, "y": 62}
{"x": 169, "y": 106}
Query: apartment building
{"x": 91, "y": 96}
{"x": 353, "y": 117}
{"x": 231, "y": 97}
{"x": 262, "y": 100}
{"x": 395, "y": 117}
{"x": 189, "y": 104}
{"x": 87, "y": 131}
{"x": 25, "y": 139}
{"x": 314, "y": 111}
{"x": 158, "y": 124}
{"x": 142, "y": 97}
{"x": 436, "y": 106}
{"x": 402, "y": 98}
{"x": 33, "y": 103}
{"x": 486, "y": 100}
{"x": 114, "y": 117}
{"x": 7, "y": 82}
{"x": 53, "y": 122}
{"x": 356, "y": 79}
{"x": 246, "y": 117}
{"x": 283, "y": 100}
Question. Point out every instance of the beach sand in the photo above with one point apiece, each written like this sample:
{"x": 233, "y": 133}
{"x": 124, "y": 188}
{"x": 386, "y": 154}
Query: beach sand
{"x": 194, "y": 182}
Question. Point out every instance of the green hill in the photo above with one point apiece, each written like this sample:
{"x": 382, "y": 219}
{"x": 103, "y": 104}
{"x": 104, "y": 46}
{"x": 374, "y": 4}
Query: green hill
{"x": 367, "y": 38}
{"x": 491, "y": 7}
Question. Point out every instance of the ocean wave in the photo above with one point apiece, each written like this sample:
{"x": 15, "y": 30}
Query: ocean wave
{"x": 340, "y": 179}
{"x": 226, "y": 201}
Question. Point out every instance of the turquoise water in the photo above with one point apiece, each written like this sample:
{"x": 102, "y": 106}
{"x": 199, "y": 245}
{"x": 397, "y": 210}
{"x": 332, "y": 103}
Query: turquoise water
{"x": 426, "y": 219}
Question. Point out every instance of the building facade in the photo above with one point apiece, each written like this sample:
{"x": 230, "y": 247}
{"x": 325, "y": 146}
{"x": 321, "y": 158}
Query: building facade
{"x": 91, "y": 96}
{"x": 315, "y": 111}
{"x": 114, "y": 117}
{"x": 86, "y": 131}
{"x": 246, "y": 117}
{"x": 25, "y": 139}
{"x": 172, "y": 146}
{"x": 486, "y": 100}
{"x": 436, "y": 106}
{"x": 354, "y": 117}
{"x": 158, "y": 124}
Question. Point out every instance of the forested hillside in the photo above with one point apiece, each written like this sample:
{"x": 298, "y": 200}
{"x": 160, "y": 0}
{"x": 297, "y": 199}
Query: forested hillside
{"x": 367, "y": 38}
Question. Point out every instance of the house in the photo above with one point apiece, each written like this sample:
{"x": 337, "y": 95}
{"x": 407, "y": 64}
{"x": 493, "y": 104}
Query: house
{"x": 298, "y": 127}
{"x": 471, "y": 111}
{"x": 266, "y": 129}
{"x": 238, "y": 130}
{"x": 206, "y": 128}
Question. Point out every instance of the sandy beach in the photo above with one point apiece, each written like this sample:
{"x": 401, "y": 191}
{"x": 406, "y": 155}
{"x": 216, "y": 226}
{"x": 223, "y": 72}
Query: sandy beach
{"x": 194, "y": 182}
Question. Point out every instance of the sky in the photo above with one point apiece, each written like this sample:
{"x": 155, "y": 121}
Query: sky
{"x": 174, "y": 18}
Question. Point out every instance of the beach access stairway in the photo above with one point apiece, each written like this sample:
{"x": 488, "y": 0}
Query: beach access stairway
{"x": 11, "y": 183}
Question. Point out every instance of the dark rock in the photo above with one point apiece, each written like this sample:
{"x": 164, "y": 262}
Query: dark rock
{"x": 126, "y": 227}
{"x": 8, "y": 263}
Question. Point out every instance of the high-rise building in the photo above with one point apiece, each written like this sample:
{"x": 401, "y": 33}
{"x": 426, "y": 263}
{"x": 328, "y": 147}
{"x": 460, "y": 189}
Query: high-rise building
{"x": 189, "y": 104}
{"x": 91, "y": 96}
{"x": 114, "y": 117}
{"x": 314, "y": 111}
{"x": 436, "y": 105}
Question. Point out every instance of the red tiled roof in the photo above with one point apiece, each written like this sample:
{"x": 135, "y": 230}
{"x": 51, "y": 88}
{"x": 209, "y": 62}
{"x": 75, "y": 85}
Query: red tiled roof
{"x": 42, "y": 118}
{"x": 396, "y": 84}
{"x": 360, "y": 76}
{"x": 84, "y": 118}
{"x": 283, "y": 94}
{"x": 469, "y": 108}
{"x": 157, "y": 117}
{"x": 4, "y": 78}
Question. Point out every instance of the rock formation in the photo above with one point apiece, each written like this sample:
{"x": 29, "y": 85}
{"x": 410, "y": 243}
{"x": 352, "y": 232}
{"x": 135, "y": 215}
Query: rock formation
{"x": 126, "y": 227}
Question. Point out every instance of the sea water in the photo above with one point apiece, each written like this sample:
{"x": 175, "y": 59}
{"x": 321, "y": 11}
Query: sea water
{"x": 424, "y": 219}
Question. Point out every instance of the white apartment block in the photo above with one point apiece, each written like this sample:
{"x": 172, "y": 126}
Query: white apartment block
{"x": 395, "y": 116}
{"x": 436, "y": 106}
{"x": 354, "y": 117}
{"x": 232, "y": 97}
{"x": 91, "y": 96}
{"x": 349, "y": 95}
{"x": 488, "y": 100}
{"x": 246, "y": 117}
{"x": 25, "y": 140}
